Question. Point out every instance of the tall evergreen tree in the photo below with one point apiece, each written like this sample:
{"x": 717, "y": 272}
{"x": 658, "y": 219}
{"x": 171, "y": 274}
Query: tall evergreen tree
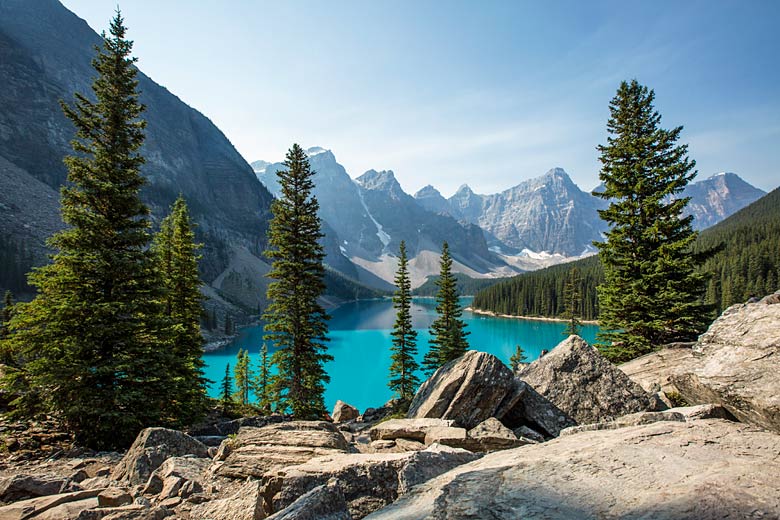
{"x": 94, "y": 338}
{"x": 295, "y": 321}
{"x": 403, "y": 381}
{"x": 177, "y": 261}
{"x": 226, "y": 390}
{"x": 448, "y": 334}
{"x": 243, "y": 376}
{"x": 652, "y": 293}
{"x": 572, "y": 303}
{"x": 262, "y": 383}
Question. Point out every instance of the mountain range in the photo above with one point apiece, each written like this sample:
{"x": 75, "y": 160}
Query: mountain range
{"x": 45, "y": 57}
{"x": 539, "y": 222}
{"x": 551, "y": 214}
{"x": 365, "y": 220}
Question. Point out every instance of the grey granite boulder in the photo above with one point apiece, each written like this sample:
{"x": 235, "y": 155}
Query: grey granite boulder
{"x": 325, "y": 502}
{"x": 699, "y": 470}
{"x": 736, "y": 364}
{"x": 21, "y": 486}
{"x": 368, "y": 481}
{"x": 150, "y": 449}
{"x": 467, "y": 390}
{"x": 581, "y": 383}
{"x": 343, "y": 412}
{"x": 246, "y": 503}
{"x": 255, "y": 451}
{"x": 654, "y": 371}
{"x": 415, "y": 429}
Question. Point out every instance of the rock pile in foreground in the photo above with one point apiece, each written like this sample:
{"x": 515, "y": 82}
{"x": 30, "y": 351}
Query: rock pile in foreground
{"x": 706, "y": 469}
{"x": 569, "y": 436}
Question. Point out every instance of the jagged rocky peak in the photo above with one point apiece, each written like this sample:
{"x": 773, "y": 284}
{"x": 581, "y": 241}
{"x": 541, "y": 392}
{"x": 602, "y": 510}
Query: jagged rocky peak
{"x": 555, "y": 178}
{"x": 260, "y": 166}
{"x": 431, "y": 199}
{"x": 380, "y": 180}
{"x": 464, "y": 191}
{"x": 316, "y": 151}
{"x": 427, "y": 192}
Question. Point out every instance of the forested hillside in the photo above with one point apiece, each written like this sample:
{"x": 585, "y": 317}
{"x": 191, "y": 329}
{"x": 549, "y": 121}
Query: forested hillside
{"x": 748, "y": 265}
{"x": 467, "y": 286}
{"x": 540, "y": 293}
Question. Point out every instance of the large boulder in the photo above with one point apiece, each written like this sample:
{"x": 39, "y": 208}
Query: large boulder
{"x": 654, "y": 371}
{"x": 682, "y": 414}
{"x": 526, "y": 407}
{"x": 467, "y": 390}
{"x": 325, "y": 502}
{"x": 343, "y": 412}
{"x": 177, "y": 476}
{"x": 368, "y": 481}
{"x": 245, "y": 504}
{"x": 491, "y": 435}
{"x": 255, "y": 451}
{"x": 581, "y": 383}
{"x": 42, "y": 507}
{"x": 415, "y": 429}
{"x": 705, "y": 469}
{"x": 150, "y": 449}
{"x": 736, "y": 364}
{"x": 22, "y": 486}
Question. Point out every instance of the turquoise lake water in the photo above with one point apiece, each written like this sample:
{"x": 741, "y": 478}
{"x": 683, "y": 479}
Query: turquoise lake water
{"x": 360, "y": 345}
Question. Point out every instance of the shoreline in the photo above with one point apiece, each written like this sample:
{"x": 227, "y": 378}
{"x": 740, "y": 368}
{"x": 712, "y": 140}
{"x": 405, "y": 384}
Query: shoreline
{"x": 512, "y": 316}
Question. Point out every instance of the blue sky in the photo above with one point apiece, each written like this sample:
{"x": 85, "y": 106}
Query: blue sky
{"x": 486, "y": 93}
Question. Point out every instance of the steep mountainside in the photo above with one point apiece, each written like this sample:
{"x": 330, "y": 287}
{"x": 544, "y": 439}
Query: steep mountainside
{"x": 748, "y": 265}
{"x": 365, "y": 220}
{"x": 403, "y": 219}
{"x": 717, "y": 197}
{"x": 45, "y": 55}
{"x": 549, "y": 213}
{"x": 430, "y": 199}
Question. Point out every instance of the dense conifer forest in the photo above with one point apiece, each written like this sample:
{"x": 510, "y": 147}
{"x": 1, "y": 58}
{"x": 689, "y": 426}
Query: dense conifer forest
{"x": 467, "y": 286}
{"x": 748, "y": 265}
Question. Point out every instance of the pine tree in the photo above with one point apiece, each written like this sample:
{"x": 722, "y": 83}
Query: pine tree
{"x": 6, "y": 314}
{"x": 448, "y": 334}
{"x": 652, "y": 291}
{"x": 177, "y": 262}
{"x": 402, "y": 378}
{"x": 94, "y": 339}
{"x": 572, "y": 303}
{"x": 295, "y": 321}
{"x": 517, "y": 358}
{"x": 262, "y": 382}
{"x": 243, "y": 376}
{"x": 226, "y": 394}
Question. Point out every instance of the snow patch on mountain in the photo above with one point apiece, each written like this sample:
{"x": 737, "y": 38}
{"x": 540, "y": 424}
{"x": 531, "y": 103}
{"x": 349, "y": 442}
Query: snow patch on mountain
{"x": 380, "y": 233}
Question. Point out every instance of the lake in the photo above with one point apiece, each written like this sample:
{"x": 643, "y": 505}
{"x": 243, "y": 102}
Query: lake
{"x": 360, "y": 345}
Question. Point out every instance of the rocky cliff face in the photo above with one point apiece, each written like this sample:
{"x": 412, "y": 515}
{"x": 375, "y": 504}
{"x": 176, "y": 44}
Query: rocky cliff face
{"x": 45, "y": 54}
{"x": 549, "y": 213}
{"x": 717, "y": 197}
{"x": 430, "y": 199}
{"x": 365, "y": 220}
